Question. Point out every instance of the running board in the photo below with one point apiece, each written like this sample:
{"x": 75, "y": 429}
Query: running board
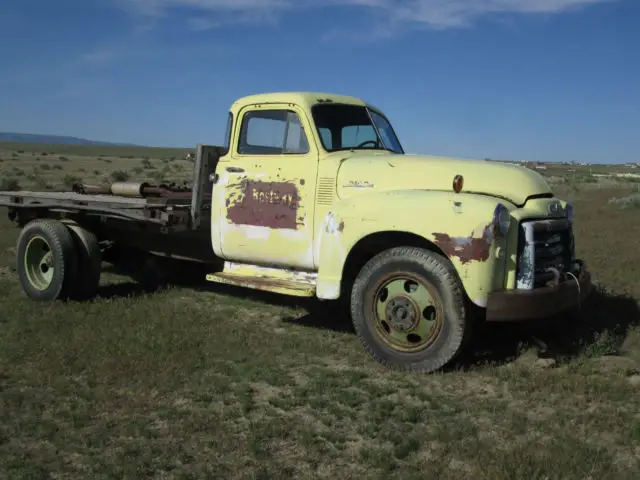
{"x": 277, "y": 280}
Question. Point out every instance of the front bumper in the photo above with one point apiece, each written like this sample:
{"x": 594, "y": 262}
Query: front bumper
{"x": 540, "y": 303}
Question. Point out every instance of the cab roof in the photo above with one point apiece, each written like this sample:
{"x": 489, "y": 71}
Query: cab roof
{"x": 304, "y": 99}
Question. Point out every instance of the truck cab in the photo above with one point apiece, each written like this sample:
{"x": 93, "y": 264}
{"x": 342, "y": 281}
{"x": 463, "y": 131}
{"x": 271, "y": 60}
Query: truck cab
{"x": 316, "y": 189}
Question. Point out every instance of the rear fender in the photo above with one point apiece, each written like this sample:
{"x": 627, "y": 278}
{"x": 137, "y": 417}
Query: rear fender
{"x": 459, "y": 226}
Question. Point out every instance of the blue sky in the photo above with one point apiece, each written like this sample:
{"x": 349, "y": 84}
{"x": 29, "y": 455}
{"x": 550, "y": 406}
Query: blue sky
{"x": 547, "y": 80}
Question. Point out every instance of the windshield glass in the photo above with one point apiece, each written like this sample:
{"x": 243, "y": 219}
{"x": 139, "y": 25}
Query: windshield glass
{"x": 348, "y": 127}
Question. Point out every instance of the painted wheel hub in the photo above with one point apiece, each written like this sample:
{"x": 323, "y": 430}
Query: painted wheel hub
{"x": 39, "y": 263}
{"x": 407, "y": 312}
{"x": 401, "y": 313}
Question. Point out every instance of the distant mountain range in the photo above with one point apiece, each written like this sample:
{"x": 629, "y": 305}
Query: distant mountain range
{"x": 52, "y": 139}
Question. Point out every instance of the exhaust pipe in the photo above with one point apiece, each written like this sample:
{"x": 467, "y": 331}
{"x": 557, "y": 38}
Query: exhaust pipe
{"x": 128, "y": 189}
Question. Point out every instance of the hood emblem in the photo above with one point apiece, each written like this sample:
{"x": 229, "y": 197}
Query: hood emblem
{"x": 358, "y": 184}
{"x": 554, "y": 209}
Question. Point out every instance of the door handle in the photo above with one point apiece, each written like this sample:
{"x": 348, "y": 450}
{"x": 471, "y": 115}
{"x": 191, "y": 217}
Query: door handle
{"x": 235, "y": 169}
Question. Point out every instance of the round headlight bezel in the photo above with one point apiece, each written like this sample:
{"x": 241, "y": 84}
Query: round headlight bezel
{"x": 568, "y": 211}
{"x": 502, "y": 219}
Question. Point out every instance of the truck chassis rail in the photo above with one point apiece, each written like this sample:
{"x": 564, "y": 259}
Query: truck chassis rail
{"x": 169, "y": 213}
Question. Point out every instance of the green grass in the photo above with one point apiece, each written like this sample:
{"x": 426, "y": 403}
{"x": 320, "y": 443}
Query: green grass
{"x": 213, "y": 382}
{"x": 95, "y": 150}
{"x": 630, "y": 201}
{"x": 45, "y": 167}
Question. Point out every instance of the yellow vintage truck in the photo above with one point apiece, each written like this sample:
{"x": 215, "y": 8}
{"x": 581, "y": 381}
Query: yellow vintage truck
{"x": 311, "y": 195}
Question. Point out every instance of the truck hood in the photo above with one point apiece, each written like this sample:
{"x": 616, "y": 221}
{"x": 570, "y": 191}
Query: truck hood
{"x": 361, "y": 173}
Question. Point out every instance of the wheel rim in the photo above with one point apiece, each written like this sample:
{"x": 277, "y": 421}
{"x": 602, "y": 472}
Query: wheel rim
{"x": 39, "y": 263}
{"x": 407, "y": 312}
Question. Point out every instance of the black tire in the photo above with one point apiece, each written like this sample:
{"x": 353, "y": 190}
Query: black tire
{"x": 448, "y": 327}
{"x": 52, "y": 243}
{"x": 89, "y": 263}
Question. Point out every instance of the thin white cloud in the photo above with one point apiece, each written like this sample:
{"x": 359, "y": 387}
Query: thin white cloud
{"x": 208, "y": 22}
{"x": 459, "y": 13}
{"x": 200, "y": 24}
{"x": 99, "y": 57}
{"x": 436, "y": 14}
{"x": 122, "y": 51}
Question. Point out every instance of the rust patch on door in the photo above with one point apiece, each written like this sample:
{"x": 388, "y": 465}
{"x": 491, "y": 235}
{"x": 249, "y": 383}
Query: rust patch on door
{"x": 265, "y": 204}
{"x": 467, "y": 249}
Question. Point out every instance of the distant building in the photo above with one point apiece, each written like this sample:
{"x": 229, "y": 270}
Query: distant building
{"x": 538, "y": 165}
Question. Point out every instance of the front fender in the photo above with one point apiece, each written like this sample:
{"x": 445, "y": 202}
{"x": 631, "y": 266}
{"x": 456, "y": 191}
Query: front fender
{"x": 460, "y": 226}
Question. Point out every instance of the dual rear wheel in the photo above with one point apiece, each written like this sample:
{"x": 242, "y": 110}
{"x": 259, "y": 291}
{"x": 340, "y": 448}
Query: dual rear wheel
{"x": 58, "y": 260}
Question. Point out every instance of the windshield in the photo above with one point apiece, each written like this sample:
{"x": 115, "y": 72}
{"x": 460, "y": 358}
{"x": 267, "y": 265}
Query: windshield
{"x": 349, "y": 127}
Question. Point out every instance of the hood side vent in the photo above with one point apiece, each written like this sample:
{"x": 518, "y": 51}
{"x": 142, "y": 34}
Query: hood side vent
{"x": 326, "y": 187}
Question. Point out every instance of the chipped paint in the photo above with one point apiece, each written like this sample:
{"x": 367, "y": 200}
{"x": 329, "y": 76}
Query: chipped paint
{"x": 482, "y": 302}
{"x": 264, "y": 204}
{"x": 254, "y": 232}
{"x": 258, "y": 229}
{"x": 328, "y": 290}
{"x": 467, "y": 249}
{"x": 331, "y": 224}
{"x": 275, "y": 285}
{"x": 250, "y": 270}
{"x": 280, "y": 280}
{"x": 526, "y": 263}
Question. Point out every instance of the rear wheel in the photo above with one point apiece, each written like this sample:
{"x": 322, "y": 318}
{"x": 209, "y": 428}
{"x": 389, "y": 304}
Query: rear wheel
{"x": 46, "y": 260}
{"x": 408, "y": 309}
{"x": 89, "y": 262}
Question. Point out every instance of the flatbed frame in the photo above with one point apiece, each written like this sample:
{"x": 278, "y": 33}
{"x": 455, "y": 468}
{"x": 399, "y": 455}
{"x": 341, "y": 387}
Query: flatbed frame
{"x": 167, "y": 222}
{"x": 165, "y": 212}
{"x": 175, "y": 211}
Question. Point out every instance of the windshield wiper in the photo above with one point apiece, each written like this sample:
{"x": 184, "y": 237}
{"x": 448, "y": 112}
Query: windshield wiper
{"x": 357, "y": 148}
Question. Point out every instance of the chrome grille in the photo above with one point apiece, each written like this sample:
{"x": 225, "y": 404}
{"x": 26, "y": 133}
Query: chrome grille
{"x": 545, "y": 252}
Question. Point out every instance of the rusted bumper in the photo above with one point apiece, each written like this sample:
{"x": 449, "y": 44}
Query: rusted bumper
{"x": 540, "y": 303}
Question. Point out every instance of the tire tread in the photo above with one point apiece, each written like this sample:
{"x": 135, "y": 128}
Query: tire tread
{"x": 62, "y": 241}
{"x": 453, "y": 303}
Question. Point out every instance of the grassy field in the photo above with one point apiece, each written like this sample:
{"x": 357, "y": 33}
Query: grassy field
{"x": 214, "y": 382}
{"x": 124, "y": 151}
{"x": 50, "y": 167}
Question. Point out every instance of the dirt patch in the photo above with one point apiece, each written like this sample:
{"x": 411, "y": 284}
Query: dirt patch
{"x": 6, "y": 272}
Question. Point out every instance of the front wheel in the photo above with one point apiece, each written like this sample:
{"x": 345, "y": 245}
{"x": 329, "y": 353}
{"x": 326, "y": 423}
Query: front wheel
{"x": 408, "y": 309}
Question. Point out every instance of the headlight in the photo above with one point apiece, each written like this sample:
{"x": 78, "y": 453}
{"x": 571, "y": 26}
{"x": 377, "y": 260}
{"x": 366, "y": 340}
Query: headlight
{"x": 568, "y": 210}
{"x": 502, "y": 219}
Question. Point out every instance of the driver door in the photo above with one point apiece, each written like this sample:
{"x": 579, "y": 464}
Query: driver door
{"x": 269, "y": 182}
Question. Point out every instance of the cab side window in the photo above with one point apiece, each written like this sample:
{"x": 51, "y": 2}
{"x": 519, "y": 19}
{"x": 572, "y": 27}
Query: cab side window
{"x": 272, "y": 132}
